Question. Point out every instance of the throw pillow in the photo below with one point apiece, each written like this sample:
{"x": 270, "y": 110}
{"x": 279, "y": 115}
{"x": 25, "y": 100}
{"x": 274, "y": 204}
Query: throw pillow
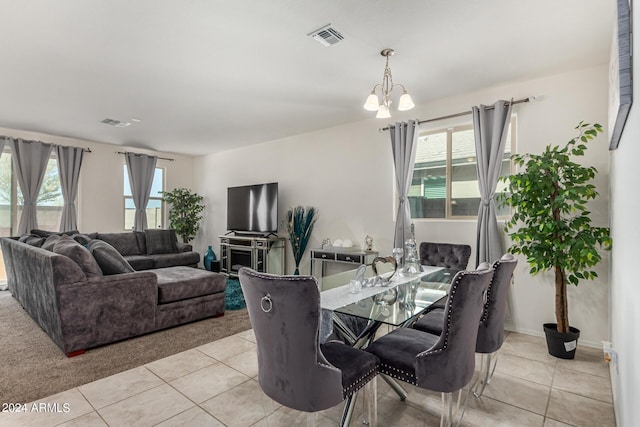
{"x": 79, "y": 254}
{"x": 50, "y": 242}
{"x": 161, "y": 241}
{"x": 108, "y": 258}
{"x": 32, "y": 239}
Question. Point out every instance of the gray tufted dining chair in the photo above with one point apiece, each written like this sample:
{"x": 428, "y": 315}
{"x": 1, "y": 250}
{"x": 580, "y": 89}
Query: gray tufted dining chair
{"x": 443, "y": 363}
{"x": 491, "y": 328}
{"x": 293, "y": 368}
{"x": 447, "y": 255}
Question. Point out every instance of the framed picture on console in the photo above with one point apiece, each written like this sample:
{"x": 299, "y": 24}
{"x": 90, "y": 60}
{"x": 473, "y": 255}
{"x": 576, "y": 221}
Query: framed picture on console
{"x": 620, "y": 72}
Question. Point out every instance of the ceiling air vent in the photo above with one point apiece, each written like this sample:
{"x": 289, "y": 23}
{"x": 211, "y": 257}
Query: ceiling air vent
{"x": 327, "y": 35}
{"x": 116, "y": 123}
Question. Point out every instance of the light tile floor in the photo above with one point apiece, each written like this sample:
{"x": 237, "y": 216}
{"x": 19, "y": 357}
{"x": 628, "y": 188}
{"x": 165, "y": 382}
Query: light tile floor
{"x": 216, "y": 385}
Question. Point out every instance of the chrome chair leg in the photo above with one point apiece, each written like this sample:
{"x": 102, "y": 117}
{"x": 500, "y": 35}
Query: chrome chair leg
{"x": 485, "y": 374}
{"x": 312, "y": 418}
{"x": 446, "y": 415}
{"x": 461, "y": 410}
{"x": 371, "y": 403}
{"x": 494, "y": 356}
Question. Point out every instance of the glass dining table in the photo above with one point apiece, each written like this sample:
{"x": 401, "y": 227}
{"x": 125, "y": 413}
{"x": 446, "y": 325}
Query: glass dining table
{"x": 356, "y": 317}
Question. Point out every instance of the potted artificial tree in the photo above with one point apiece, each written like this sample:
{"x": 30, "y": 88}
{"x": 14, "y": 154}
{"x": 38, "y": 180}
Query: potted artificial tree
{"x": 185, "y": 213}
{"x": 551, "y": 225}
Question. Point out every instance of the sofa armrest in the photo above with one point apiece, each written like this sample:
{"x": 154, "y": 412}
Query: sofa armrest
{"x": 184, "y": 247}
{"x": 107, "y": 309}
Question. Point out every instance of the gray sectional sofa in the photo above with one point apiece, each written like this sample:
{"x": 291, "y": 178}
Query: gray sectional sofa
{"x": 144, "y": 250}
{"x": 79, "y": 307}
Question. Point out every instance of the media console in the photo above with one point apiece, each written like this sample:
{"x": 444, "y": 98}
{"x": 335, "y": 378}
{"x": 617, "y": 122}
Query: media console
{"x": 261, "y": 253}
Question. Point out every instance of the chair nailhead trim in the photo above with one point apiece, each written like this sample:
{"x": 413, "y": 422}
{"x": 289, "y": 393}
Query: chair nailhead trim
{"x": 452, "y": 294}
{"x": 329, "y": 366}
{"x": 399, "y": 374}
{"x": 360, "y": 382}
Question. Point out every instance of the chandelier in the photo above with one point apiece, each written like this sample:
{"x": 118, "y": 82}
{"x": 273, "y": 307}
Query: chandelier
{"x": 374, "y": 103}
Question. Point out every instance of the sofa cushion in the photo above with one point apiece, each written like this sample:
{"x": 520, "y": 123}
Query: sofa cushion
{"x": 32, "y": 239}
{"x": 171, "y": 260}
{"x": 140, "y": 262}
{"x": 184, "y": 247}
{"x": 50, "y": 242}
{"x": 45, "y": 233}
{"x": 79, "y": 254}
{"x": 161, "y": 241}
{"x": 108, "y": 258}
{"x": 142, "y": 241}
{"x": 83, "y": 239}
{"x": 125, "y": 243}
{"x": 180, "y": 283}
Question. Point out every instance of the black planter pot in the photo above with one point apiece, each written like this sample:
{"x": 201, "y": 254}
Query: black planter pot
{"x": 561, "y": 345}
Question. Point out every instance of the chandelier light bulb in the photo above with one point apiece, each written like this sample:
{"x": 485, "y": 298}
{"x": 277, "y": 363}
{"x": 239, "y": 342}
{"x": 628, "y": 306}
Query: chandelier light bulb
{"x": 372, "y": 102}
{"x": 383, "y": 112}
{"x": 405, "y": 103}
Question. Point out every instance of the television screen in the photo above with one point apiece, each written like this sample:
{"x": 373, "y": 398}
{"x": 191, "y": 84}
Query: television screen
{"x": 253, "y": 208}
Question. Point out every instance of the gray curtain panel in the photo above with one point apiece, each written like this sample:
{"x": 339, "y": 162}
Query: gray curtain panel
{"x": 403, "y": 143}
{"x": 30, "y": 160}
{"x": 140, "y": 168}
{"x": 3, "y": 140}
{"x": 490, "y": 126}
{"x": 69, "y": 163}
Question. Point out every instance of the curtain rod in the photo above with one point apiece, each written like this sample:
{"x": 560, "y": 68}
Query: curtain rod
{"x": 140, "y": 154}
{"x": 86, "y": 150}
{"x": 464, "y": 113}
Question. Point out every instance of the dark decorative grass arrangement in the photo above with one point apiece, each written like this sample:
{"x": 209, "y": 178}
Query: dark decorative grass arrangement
{"x": 234, "y": 298}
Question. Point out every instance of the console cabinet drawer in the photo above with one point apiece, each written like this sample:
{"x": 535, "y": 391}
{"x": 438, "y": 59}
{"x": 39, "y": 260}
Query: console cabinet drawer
{"x": 324, "y": 255}
{"x": 349, "y": 258}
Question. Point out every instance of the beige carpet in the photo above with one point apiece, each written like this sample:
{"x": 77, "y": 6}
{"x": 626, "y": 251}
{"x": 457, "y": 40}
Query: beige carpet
{"x": 33, "y": 367}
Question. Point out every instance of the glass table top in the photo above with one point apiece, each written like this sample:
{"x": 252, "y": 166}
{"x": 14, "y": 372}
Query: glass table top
{"x": 400, "y": 301}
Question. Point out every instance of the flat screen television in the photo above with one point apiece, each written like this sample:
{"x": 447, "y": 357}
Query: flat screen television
{"x": 253, "y": 208}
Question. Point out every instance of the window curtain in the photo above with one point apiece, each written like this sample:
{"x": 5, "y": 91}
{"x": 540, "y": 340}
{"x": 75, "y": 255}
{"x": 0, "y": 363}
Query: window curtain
{"x": 404, "y": 136}
{"x": 3, "y": 140}
{"x": 140, "y": 168}
{"x": 30, "y": 160}
{"x": 490, "y": 126}
{"x": 69, "y": 163}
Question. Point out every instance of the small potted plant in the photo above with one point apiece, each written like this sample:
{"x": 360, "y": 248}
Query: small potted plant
{"x": 185, "y": 213}
{"x": 551, "y": 225}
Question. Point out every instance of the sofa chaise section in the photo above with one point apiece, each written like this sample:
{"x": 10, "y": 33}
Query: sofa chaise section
{"x": 80, "y": 313}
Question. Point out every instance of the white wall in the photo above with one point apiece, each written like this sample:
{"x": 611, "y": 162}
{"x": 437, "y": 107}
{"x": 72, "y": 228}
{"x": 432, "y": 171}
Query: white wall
{"x": 347, "y": 172}
{"x": 625, "y": 292}
{"x": 100, "y": 193}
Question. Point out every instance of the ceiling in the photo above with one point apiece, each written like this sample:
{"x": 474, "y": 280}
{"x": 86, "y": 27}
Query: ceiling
{"x": 210, "y": 75}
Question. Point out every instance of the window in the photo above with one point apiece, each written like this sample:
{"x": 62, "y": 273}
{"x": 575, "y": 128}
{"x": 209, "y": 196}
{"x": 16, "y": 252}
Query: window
{"x": 49, "y": 204}
{"x": 445, "y": 180}
{"x": 155, "y": 216}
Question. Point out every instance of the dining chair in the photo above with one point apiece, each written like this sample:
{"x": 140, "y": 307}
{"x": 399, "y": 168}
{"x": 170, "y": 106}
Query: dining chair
{"x": 491, "y": 328}
{"x": 443, "y": 363}
{"x": 294, "y": 369}
{"x": 448, "y": 255}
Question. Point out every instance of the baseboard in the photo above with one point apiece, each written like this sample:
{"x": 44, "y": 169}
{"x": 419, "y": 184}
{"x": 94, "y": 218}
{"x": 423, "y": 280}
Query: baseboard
{"x": 540, "y": 333}
{"x": 614, "y": 375}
